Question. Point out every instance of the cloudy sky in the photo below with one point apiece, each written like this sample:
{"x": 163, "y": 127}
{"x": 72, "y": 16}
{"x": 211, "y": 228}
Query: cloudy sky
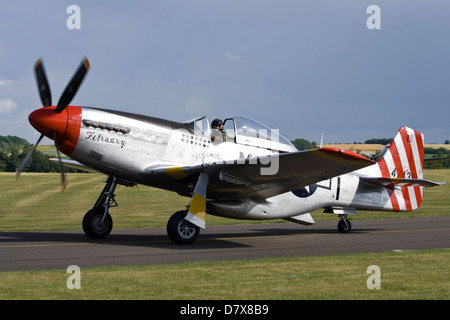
{"x": 303, "y": 67}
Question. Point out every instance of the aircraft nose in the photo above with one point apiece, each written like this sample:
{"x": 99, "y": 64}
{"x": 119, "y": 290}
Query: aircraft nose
{"x": 46, "y": 121}
{"x": 66, "y": 124}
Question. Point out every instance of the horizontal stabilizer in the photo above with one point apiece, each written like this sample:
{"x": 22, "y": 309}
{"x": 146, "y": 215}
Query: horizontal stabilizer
{"x": 399, "y": 182}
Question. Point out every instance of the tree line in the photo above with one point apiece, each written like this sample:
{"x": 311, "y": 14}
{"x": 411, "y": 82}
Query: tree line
{"x": 303, "y": 144}
{"x": 437, "y": 153}
{"x": 14, "y": 149}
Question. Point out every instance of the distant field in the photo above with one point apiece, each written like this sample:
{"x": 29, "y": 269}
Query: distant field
{"x": 36, "y": 203}
{"x": 437, "y": 146}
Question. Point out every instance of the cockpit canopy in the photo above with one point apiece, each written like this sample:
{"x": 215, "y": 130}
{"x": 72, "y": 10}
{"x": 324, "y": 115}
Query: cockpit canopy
{"x": 250, "y": 132}
{"x": 199, "y": 126}
{"x": 242, "y": 130}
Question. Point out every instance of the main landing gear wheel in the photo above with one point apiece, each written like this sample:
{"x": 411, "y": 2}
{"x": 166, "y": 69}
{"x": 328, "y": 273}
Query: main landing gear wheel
{"x": 93, "y": 226}
{"x": 344, "y": 226}
{"x": 181, "y": 231}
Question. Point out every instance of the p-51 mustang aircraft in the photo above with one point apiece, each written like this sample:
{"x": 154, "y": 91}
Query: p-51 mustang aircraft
{"x": 238, "y": 169}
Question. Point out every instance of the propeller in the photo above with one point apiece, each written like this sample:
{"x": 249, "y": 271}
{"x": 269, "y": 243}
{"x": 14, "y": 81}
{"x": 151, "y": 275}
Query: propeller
{"x": 61, "y": 167}
{"x": 73, "y": 86}
{"x": 25, "y": 160}
{"x": 46, "y": 99}
{"x": 43, "y": 87}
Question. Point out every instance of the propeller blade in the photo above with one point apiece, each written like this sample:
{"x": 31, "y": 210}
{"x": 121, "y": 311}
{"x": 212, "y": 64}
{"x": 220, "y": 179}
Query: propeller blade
{"x": 42, "y": 83}
{"x": 61, "y": 167}
{"x": 25, "y": 160}
{"x": 72, "y": 87}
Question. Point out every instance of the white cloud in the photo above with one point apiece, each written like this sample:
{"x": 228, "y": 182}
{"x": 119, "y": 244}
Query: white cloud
{"x": 7, "y": 105}
{"x": 5, "y": 82}
{"x": 197, "y": 106}
{"x": 232, "y": 56}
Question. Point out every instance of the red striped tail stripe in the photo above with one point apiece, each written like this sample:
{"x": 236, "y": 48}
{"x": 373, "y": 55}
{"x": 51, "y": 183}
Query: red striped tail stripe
{"x": 404, "y": 159}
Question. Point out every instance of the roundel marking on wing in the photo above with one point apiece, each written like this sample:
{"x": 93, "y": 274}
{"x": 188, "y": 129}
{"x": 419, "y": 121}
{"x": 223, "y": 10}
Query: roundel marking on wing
{"x": 305, "y": 192}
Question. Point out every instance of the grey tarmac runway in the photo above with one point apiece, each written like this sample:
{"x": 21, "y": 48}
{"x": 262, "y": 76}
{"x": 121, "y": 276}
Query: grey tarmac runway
{"x": 150, "y": 246}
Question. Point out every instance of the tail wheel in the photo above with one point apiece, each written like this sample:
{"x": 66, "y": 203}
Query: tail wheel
{"x": 181, "y": 231}
{"x": 94, "y": 227}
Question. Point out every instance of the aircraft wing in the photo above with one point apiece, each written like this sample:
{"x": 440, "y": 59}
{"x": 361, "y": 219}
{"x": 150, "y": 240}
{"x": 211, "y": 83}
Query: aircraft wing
{"x": 267, "y": 176}
{"x": 70, "y": 163}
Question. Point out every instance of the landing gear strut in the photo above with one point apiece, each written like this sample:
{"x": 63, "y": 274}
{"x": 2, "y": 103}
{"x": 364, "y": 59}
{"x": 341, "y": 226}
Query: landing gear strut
{"x": 97, "y": 222}
{"x": 344, "y": 226}
{"x": 184, "y": 226}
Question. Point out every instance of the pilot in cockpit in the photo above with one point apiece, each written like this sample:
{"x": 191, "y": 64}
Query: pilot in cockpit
{"x": 217, "y": 134}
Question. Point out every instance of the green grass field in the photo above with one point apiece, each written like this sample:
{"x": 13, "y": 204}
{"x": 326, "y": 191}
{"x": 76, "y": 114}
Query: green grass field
{"x": 36, "y": 202}
{"x": 407, "y": 275}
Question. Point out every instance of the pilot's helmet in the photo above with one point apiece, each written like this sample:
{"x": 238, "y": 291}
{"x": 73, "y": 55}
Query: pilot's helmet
{"x": 216, "y": 123}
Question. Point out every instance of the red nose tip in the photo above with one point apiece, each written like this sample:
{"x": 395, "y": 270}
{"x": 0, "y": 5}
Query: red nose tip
{"x": 46, "y": 121}
{"x": 66, "y": 125}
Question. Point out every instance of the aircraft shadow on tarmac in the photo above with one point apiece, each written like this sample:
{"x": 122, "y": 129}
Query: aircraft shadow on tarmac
{"x": 144, "y": 238}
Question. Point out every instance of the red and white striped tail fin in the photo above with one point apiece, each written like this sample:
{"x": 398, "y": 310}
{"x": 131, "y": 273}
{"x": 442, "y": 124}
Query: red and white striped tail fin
{"x": 404, "y": 160}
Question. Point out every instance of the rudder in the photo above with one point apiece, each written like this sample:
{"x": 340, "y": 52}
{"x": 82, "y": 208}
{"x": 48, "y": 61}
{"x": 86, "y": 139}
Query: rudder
{"x": 404, "y": 159}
